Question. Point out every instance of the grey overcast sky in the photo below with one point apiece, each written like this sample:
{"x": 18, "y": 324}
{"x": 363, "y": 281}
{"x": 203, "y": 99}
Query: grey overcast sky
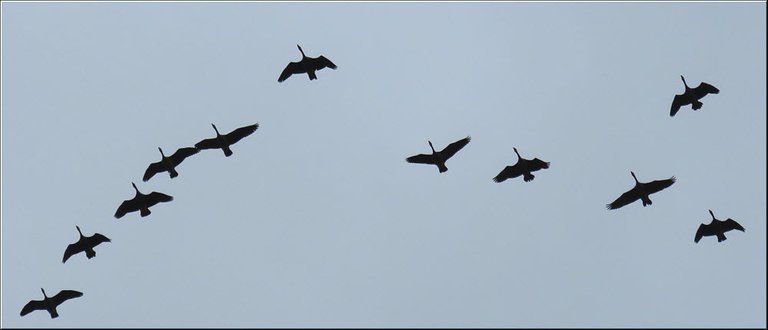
{"x": 318, "y": 221}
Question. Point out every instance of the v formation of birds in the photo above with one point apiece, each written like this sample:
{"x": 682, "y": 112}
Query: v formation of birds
{"x": 308, "y": 65}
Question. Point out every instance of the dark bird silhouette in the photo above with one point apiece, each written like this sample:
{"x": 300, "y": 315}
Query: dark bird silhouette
{"x": 141, "y": 202}
{"x": 84, "y": 244}
{"x": 522, "y": 167}
{"x": 717, "y": 228}
{"x": 224, "y": 141}
{"x": 50, "y": 304}
{"x": 307, "y": 65}
{"x": 691, "y": 96}
{"x": 641, "y": 191}
{"x": 439, "y": 157}
{"x": 169, "y": 163}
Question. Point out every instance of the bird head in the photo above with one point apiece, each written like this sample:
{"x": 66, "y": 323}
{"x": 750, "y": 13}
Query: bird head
{"x": 712, "y": 214}
{"x": 214, "y": 128}
{"x": 134, "y": 187}
{"x": 78, "y": 230}
{"x": 161, "y": 151}
{"x": 44, "y": 295}
{"x": 301, "y": 50}
{"x": 633, "y": 175}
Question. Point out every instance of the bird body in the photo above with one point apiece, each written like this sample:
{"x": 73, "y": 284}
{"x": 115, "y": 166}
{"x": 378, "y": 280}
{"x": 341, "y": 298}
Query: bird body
{"x": 717, "y": 228}
{"x": 50, "y": 304}
{"x": 224, "y": 141}
{"x": 141, "y": 202}
{"x": 691, "y": 96}
{"x": 307, "y": 65}
{"x": 523, "y": 167}
{"x": 169, "y": 163}
{"x": 84, "y": 244}
{"x": 438, "y": 158}
{"x": 641, "y": 191}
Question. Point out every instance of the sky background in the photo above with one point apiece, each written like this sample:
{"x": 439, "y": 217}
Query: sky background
{"x": 318, "y": 221}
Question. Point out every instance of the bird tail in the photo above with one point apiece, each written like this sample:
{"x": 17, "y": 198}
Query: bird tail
{"x": 145, "y": 212}
{"x": 90, "y": 253}
{"x": 227, "y": 152}
{"x": 528, "y": 177}
{"x": 696, "y": 104}
{"x": 442, "y": 168}
{"x": 312, "y": 75}
{"x": 721, "y": 237}
{"x": 54, "y": 314}
{"x": 646, "y": 201}
{"x": 173, "y": 173}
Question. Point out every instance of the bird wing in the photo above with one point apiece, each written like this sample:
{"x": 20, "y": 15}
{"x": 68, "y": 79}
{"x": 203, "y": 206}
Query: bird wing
{"x": 421, "y": 159}
{"x": 703, "y": 89}
{"x": 322, "y": 62}
{"x": 97, "y": 239}
{"x": 240, "y": 133}
{"x": 679, "y": 101}
{"x": 730, "y": 224}
{"x": 156, "y": 197}
{"x": 71, "y": 250}
{"x": 291, "y": 68}
{"x": 452, "y": 148}
{"x": 129, "y": 205}
{"x": 65, "y": 295}
{"x": 31, "y": 306}
{"x": 658, "y": 185}
{"x": 211, "y": 143}
{"x": 153, "y": 169}
{"x": 625, "y": 198}
{"x": 509, "y": 172}
{"x": 181, "y": 154}
{"x": 537, "y": 164}
{"x": 703, "y": 230}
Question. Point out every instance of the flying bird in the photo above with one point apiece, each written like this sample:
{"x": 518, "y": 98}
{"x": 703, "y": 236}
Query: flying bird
{"x": 641, "y": 191}
{"x": 169, "y": 163}
{"x": 523, "y": 167}
{"x": 141, "y": 202}
{"x": 224, "y": 141}
{"x": 439, "y": 157}
{"x": 307, "y": 65}
{"x": 84, "y": 244}
{"x": 717, "y": 228}
{"x": 50, "y": 304}
{"x": 691, "y": 96}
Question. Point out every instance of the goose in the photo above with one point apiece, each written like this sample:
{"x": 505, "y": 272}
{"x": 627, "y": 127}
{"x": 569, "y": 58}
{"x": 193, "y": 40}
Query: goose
{"x": 717, "y": 228}
{"x": 640, "y": 191}
{"x": 141, "y": 202}
{"x": 691, "y": 96}
{"x": 50, "y": 304}
{"x": 169, "y": 163}
{"x": 439, "y": 157}
{"x": 224, "y": 141}
{"x": 307, "y": 65}
{"x": 523, "y": 166}
{"x": 84, "y": 244}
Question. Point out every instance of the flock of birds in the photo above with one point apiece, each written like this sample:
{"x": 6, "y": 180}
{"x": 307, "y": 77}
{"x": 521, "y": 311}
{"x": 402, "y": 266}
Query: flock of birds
{"x": 309, "y": 65}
